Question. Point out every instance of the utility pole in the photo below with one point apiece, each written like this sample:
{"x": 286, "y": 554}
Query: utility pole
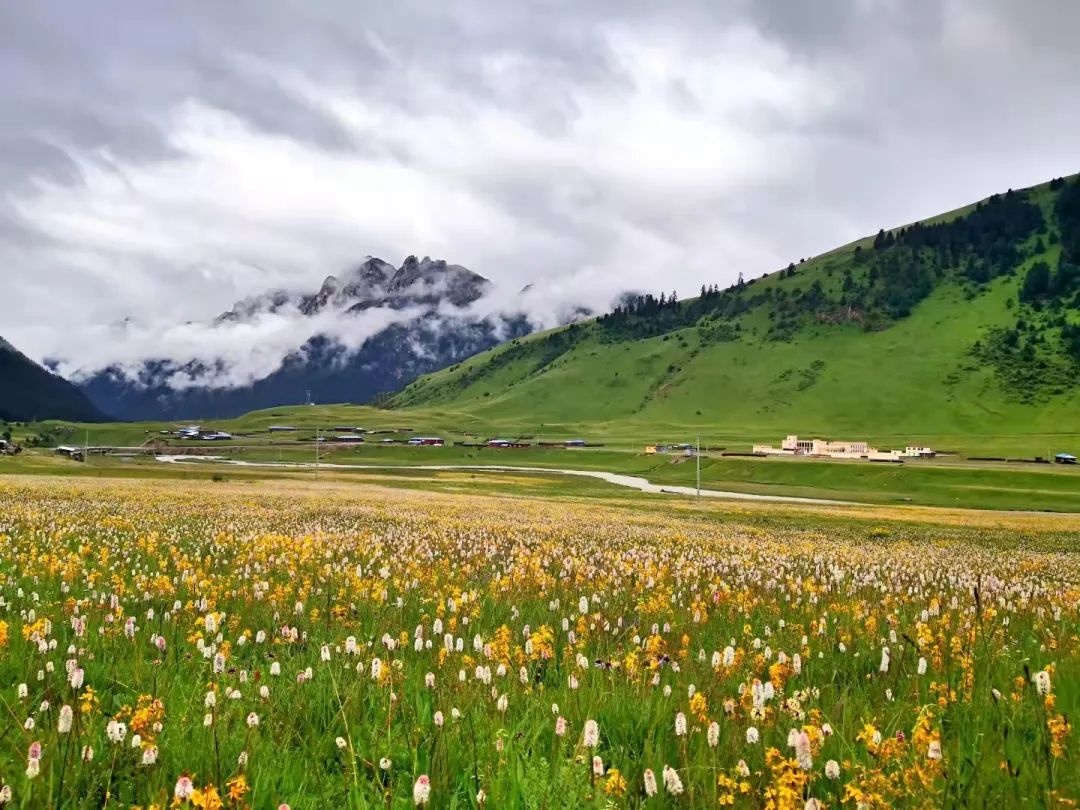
{"x": 697, "y": 458}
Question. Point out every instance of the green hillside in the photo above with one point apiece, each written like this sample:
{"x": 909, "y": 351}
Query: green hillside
{"x": 963, "y": 330}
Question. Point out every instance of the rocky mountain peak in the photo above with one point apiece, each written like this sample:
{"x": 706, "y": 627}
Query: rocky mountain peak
{"x": 373, "y": 283}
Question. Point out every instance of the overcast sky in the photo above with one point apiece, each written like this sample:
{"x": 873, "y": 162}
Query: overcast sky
{"x": 161, "y": 160}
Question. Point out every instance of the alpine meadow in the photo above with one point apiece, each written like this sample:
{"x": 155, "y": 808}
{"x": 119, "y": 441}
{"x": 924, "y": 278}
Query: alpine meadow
{"x": 539, "y": 405}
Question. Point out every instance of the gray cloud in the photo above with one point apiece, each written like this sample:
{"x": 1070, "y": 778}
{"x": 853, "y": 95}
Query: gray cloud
{"x": 159, "y": 161}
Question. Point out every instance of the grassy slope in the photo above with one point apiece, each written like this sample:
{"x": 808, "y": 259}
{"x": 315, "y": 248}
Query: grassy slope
{"x": 914, "y": 381}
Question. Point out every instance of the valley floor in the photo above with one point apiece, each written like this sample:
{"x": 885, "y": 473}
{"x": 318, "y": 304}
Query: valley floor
{"x": 943, "y": 482}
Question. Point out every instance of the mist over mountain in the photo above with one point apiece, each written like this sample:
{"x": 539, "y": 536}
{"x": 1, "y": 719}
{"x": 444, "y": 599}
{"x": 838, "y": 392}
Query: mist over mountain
{"x": 362, "y": 333}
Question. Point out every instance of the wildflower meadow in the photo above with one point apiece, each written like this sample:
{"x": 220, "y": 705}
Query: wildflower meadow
{"x": 202, "y": 645}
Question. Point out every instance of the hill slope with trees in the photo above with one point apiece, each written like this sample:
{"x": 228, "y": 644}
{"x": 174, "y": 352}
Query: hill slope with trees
{"x": 964, "y": 324}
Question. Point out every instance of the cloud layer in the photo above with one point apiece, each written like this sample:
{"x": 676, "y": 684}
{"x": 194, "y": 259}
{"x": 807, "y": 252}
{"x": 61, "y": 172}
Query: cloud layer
{"x": 159, "y": 162}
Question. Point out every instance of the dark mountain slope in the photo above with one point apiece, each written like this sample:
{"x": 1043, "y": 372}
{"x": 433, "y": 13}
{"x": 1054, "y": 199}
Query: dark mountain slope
{"x": 29, "y": 392}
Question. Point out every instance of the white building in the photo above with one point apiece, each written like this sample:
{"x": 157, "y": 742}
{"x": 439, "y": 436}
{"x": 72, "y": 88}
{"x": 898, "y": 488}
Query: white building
{"x": 918, "y": 451}
{"x": 823, "y": 448}
{"x": 794, "y": 446}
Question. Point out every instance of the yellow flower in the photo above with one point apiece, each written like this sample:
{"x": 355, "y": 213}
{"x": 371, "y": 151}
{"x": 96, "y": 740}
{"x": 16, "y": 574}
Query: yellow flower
{"x": 1059, "y": 729}
{"x": 207, "y": 798}
{"x": 699, "y": 707}
{"x": 615, "y": 784}
{"x": 238, "y": 787}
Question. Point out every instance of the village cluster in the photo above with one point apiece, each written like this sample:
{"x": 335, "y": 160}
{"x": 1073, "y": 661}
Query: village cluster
{"x": 791, "y": 446}
{"x": 349, "y": 434}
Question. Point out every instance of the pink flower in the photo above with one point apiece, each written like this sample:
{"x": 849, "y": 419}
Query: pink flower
{"x": 591, "y": 736}
{"x": 650, "y": 782}
{"x": 184, "y": 788}
{"x": 421, "y": 791}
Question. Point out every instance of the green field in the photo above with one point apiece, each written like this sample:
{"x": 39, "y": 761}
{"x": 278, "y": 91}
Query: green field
{"x": 1035, "y": 487}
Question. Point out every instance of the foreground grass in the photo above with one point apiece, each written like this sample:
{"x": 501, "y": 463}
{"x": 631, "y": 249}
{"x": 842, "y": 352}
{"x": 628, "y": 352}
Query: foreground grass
{"x": 343, "y": 646}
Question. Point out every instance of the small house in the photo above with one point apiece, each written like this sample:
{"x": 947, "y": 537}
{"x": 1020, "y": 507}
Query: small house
{"x": 918, "y": 451}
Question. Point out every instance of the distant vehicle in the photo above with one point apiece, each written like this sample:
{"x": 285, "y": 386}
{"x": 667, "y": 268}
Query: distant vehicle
{"x": 1065, "y": 458}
